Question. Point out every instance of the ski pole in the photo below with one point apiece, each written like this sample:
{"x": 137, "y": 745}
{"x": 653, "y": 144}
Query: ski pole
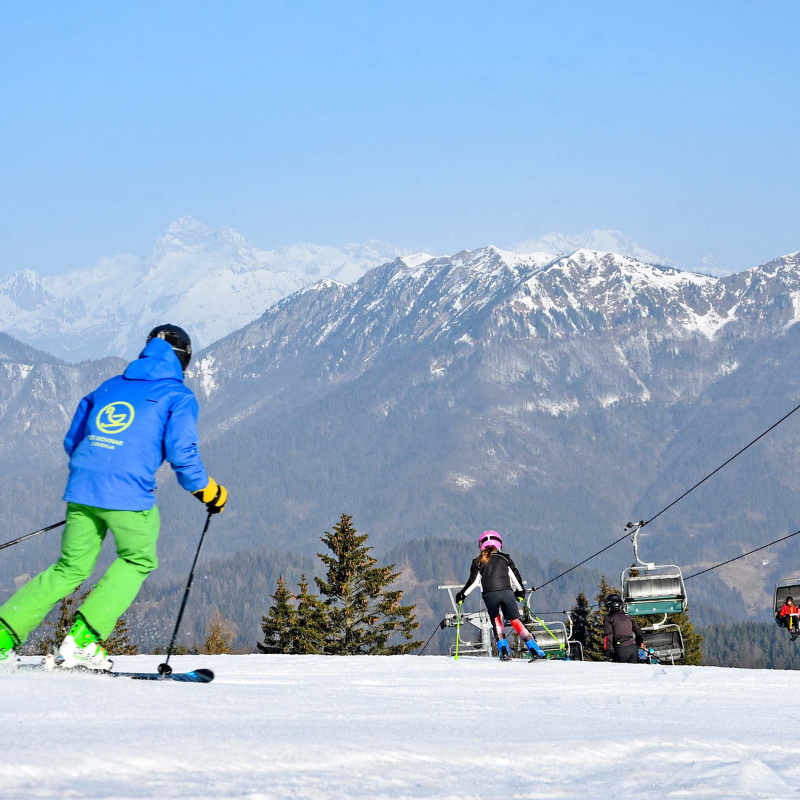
{"x": 458, "y": 630}
{"x": 533, "y": 613}
{"x": 165, "y": 669}
{"x": 35, "y": 533}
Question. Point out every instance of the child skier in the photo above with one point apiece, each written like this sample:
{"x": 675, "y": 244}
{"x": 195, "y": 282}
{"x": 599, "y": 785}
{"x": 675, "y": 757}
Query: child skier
{"x": 788, "y": 617}
{"x": 120, "y": 435}
{"x": 501, "y": 586}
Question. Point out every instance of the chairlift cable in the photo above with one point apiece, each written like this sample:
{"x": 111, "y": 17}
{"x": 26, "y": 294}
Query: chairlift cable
{"x": 763, "y": 547}
{"x": 580, "y": 564}
{"x": 721, "y": 466}
{"x": 677, "y": 500}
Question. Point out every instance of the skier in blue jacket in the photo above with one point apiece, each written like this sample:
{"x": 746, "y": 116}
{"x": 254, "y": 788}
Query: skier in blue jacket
{"x": 120, "y": 435}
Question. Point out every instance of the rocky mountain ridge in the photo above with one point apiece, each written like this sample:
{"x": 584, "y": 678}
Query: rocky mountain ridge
{"x": 475, "y": 298}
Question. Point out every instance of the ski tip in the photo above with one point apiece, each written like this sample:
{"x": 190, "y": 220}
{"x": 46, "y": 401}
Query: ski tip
{"x": 205, "y": 675}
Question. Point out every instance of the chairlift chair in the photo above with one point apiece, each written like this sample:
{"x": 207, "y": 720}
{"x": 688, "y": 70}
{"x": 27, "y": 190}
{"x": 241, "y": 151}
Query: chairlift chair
{"x": 482, "y": 646}
{"x": 554, "y": 638}
{"x": 660, "y": 590}
{"x": 788, "y": 587}
{"x": 666, "y": 642}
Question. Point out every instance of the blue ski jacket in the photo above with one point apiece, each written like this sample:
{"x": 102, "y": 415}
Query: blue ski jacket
{"x": 124, "y": 430}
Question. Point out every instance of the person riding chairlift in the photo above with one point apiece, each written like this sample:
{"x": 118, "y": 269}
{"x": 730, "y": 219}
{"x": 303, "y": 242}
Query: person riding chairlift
{"x": 501, "y": 586}
{"x": 788, "y": 616}
{"x": 623, "y": 637}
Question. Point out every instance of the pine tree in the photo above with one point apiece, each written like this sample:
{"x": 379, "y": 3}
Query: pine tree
{"x": 593, "y": 649}
{"x": 362, "y": 613}
{"x": 277, "y": 626}
{"x": 311, "y": 622}
{"x": 119, "y": 643}
{"x": 56, "y": 631}
{"x": 580, "y": 614}
{"x": 219, "y": 635}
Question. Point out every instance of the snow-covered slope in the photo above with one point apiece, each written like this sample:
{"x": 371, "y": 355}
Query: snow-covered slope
{"x": 325, "y": 728}
{"x": 210, "y": 281}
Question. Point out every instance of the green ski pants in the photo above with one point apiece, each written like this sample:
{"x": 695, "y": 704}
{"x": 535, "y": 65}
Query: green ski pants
{"x": 135, "y": 533}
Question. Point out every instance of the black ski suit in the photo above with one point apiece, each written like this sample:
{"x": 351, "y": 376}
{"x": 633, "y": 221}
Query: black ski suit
{"x": 501, "y": 585}
{"x": 498, "y": 574}
{"x": 623, "y": 637}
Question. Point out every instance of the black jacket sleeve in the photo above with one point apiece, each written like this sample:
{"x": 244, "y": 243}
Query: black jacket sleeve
{"x": 608, "y": 634}
{"x": 474, "y": 578}
{"x": 513, "y": 569}
{"x": 637, "y": 632}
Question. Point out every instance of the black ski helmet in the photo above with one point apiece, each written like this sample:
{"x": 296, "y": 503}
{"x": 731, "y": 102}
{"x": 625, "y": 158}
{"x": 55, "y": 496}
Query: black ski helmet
{"x": 613, "y": 602}
{"x": 178, "y": 338}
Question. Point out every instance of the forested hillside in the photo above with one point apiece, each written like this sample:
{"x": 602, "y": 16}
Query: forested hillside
{"x": 750, "y": 645}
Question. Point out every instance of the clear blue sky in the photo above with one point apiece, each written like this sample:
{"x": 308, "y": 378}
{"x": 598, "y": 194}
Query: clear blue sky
{"x": 436, "y": 124}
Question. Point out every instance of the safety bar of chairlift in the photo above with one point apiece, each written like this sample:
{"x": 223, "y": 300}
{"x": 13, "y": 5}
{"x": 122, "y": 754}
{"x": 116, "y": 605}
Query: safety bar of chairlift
{"x": 548, "y": 636}
{"x": 670, "y": 652}
{"x": 449, "y": 588}
{"x": 658, "y": 625}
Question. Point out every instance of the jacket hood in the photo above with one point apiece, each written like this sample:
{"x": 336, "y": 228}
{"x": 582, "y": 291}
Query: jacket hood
{"x": 156, "y": 362}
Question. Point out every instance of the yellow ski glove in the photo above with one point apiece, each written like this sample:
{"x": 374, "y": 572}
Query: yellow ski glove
{"x": 214, "y": 496}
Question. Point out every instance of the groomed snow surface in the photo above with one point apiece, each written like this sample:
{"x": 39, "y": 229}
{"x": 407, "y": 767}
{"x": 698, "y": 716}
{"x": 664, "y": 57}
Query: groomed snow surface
{"x": 402, "y": 727}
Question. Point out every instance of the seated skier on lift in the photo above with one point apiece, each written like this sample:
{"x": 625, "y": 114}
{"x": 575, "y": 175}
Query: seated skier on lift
{"x": 501, "y": 586}
{"x": 788, "y": 617}
{"x": 622, "y": 635}
{"x": 120, "y": 435}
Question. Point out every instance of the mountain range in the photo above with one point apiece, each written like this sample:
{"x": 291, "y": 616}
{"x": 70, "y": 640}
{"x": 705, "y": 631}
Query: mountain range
{"x": 209, "y": 280}
{"x": 551, "y": 398}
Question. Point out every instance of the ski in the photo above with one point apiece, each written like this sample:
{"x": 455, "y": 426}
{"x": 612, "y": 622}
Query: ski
{"x": 194, "y": 676}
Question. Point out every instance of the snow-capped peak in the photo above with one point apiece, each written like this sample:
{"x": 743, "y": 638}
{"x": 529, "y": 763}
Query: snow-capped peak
{"x": 186, "y": 228}
{"x": 324, "y": 283}
{"x": 416, "y": 259}
{"x": 605, "y": 241}
{"x": 209, "y": 280}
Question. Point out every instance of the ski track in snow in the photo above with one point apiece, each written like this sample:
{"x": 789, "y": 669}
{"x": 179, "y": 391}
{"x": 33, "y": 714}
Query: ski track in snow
{"x": 401, "y": 727}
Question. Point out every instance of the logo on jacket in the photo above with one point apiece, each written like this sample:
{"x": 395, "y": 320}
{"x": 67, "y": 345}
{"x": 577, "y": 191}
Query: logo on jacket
{"x": 115, "y": 417}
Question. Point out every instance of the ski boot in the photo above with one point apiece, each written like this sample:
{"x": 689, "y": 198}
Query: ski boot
{"x": 503, "y": 650}
{"x": 80, "y": 648}
{"x": 536, "y": 653}
{"x": 8, "y": 654}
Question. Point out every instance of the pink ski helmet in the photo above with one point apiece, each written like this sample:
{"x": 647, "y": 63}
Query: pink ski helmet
{"x": 490, "y": 539}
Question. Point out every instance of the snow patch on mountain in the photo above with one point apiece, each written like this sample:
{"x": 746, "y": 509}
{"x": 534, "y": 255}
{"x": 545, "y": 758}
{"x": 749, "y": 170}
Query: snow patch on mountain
{"x": 601, "y": 240}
